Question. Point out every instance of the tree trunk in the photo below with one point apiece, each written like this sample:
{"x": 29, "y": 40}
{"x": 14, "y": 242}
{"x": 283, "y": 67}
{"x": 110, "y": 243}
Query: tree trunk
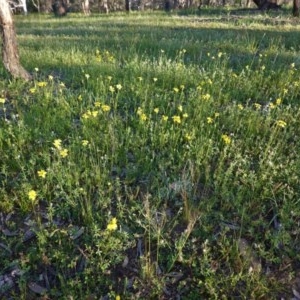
{"x": 24, "y": 5}
{"x": 128, "y": 5}
{"x": 142, "y": 5}
{"x": 10, "y": 54}
{"x": 296, "y": 8}
{"x": 267, "y": 4}
{"x": 45, "y": 6}
{"x": 86, "y": 7}
{"x": 167, "y": 5}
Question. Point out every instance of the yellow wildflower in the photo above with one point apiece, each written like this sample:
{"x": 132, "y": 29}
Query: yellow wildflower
{"x": 87, "y": 76}
{"x": 281, "y": 123}
{"x": 278, "y": 101}
{"x": 143, "y": 117}
{"x": 111, "y": 89}
{"x": 95, "y": 113}
{"x": 118, "y": 297}
{"x": 105, "y": 107}
{"x": 226, "y": 139}
{"x": 165, "y": 118}
{"x": 109, "y": 78}
{"x": 36, "y": 69}
{"x": 139, "y": 111}
{"x": 271, "y": 105}
{"x": 32, "y": 195}
{"x": 112, "y": 225}
{"x": 176, "y": 119}
{"x": 57, "y": 144}
{"x": 257, "y": 106}
{"x": 32, "y": 90}
{"x": 84, "y": 143}
{"x": 185, "y": 115}
{"x": 42, "y": 173}
{"x": 50, "y": 77}
{"x": 285, "y": 91}
{"x": 180, "y": 108}
{"x": 156, "y": 110}
{"x": 182, "y": 87}
{"x": 42, "y": 83}
{"x": 154, "y": 79}
{"x": 2, "y": 100}
{"x": 63, "y": 153}
{"x": 97, "y": 104}
{"x": 209, "y": 120}
{"x": 240, "y": 106}
{"x": 188, "y": 137}
{"x": 119, "y": 86}
{"x": 206, "y": 97}
{"x": 176, "y": 90}
{"x": 220, "y": 54}
{"x": 86, "y": 115}
{"x": 217, "y": 115}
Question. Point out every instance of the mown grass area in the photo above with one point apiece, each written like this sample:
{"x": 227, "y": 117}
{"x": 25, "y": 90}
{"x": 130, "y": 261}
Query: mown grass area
{"x": 153, "y": 156}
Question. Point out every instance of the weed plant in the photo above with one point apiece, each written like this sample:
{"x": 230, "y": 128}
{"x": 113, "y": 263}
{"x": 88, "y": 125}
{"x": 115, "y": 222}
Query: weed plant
{"x": 153, "y": 156}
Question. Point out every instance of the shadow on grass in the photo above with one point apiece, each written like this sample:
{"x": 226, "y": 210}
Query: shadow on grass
{"x": 126, "y": 40}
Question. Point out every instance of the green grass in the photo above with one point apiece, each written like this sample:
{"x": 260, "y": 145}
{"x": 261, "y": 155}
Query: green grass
{"x": 182, "y": 129}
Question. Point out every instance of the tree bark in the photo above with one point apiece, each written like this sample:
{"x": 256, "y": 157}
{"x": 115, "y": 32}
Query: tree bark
{"x": 296, "y": 8}
{"x": 86, "y": 7}
{"x": 267, "y": 4}
{"x": 128, "y": 5}
{"x": 10, "y": 55}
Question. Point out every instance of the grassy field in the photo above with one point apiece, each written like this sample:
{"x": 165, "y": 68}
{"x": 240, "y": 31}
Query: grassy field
{"x": 153, "y": 156}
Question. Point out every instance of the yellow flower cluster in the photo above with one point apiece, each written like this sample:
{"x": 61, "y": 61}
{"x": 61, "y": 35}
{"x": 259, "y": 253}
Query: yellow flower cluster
{"x": 42, "y": 84}
{"x": 281, "y": 123}
{"x": 226, "y": 139}
{"x": 63, "y": 152}
{"x": 42, "y": 173}
{"x": 104, "y": 56}
{"x": 164, "y": 118}
{"x": 112, "y": 225}
{"x": 206, "y": 97}
{"x": 176, "y": 119}
{"x": 94, "y": 113}
{"x": 32, "y": 194}
{"x": 257, "y": 106}
{"x": 90, "y": 114}
{"x": 141, "y": 114}
{"x": 118, "y": 87}
{"x": 57, "y": 144}
{"x": 84, "y": 143}
{"x": 209, "y": 120}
